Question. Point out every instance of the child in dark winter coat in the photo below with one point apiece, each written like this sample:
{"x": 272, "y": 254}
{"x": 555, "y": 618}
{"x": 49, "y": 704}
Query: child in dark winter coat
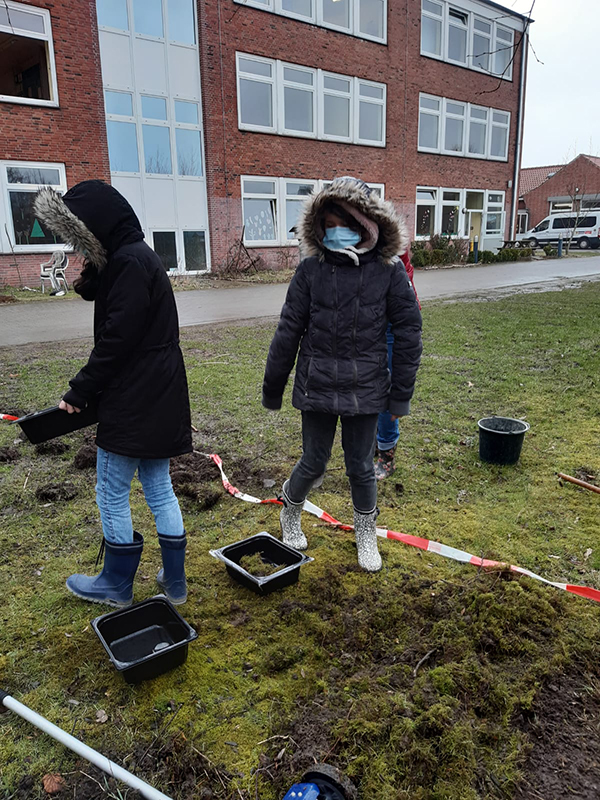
{"x": 336, "y": 311}
{"x": 136, "y": 374}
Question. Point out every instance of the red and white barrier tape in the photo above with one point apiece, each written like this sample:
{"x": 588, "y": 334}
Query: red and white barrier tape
{"x": 9, "y": 417}
{"x": 414, "y": 541}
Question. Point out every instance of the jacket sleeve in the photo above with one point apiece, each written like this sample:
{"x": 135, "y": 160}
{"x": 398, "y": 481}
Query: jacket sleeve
{"x": 127, "y": 307}
{"x": 405, "y": 317}
{"x": 284, "y": 347}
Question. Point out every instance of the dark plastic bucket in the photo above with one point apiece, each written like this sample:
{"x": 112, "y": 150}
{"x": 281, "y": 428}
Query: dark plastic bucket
{"x": 501, "y": 439}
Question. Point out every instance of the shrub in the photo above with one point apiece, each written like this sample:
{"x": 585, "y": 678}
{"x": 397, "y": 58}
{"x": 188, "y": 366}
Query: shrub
{"x": 438, "y": 256}
{"x": 438, "y": 242}
{"x": 488, "y": 257}
{"x": 525, "y": 252}
{"x": 418, "y": 259}
{"x": 550, "y": 251}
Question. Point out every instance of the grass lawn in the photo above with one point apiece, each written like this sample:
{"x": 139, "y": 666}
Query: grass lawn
{"x": 429, "y": 681}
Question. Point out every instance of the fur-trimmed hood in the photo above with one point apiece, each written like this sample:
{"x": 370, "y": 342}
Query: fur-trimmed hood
{"x": 93, "y": 217}
{"x": 393, "y": 233}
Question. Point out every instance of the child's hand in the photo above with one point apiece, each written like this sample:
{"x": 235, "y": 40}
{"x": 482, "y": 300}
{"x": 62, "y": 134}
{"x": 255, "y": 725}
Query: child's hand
{"x": 68, "y": 408}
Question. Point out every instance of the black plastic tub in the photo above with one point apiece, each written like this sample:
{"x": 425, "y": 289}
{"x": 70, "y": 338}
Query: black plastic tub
{"x": 501, "y": 439}
{"x": 273, "y": 552}
{"x": 52, "y": 422}
{"x": 146, "y": 639}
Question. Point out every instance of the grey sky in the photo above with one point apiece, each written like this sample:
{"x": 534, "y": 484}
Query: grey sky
{"x": 562, "y": 114}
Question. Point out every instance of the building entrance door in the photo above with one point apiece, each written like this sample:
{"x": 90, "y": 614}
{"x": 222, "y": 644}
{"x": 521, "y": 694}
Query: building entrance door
{"x": 474, "y": 215}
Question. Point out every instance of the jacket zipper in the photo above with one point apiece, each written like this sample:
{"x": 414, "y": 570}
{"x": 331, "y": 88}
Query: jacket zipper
{"x": 354, "y": 334}
{"x": 310, "y": 361}
{"x": 334, "y": 343}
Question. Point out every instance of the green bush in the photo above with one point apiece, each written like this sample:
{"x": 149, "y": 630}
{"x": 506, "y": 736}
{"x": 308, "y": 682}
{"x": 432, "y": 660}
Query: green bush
{"x": 439, "y": 256}
{"x": 525, "y": 252}
{"x": 418, "y": 259}
{"x": 488, "y": 257}
{"x": 438, "y": 242}
{"x": 550, "y": 251}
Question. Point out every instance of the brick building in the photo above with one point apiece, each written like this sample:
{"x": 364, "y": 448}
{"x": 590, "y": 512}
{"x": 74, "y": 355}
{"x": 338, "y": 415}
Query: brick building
{"x": 565, "y": 187}
{"x": 216, "y": 118}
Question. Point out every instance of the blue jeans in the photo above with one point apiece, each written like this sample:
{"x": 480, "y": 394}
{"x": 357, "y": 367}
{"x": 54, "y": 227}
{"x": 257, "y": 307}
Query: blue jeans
{"x": 114, "y": 476}
{"x": 388, "y": 430}
{"x": 358, "y": 442}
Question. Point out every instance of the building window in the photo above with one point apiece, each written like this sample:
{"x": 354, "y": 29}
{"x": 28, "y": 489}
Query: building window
{"x": 556, "y": 206}
{"x": 27, "y": 68}
{"x": 458, "y": 36}
{"x": 165, "y": 246}
{"x": 19, "y": 184}
{"x": 194, "y": 248}
{"x": 440, "y": 211}
{"x": 522, "y": 222}
{"x": 113, "y": 14}
{"x": 366, "y": 19}
{"x": 461, "y": 129}
{"x": 287, "y": 99}
{"x": 271, "y": 207}
{"x": 168, "y": 247}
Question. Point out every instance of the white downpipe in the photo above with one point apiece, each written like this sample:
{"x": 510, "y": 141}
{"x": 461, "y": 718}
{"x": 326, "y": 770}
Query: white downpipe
{"x": 83, "y": 750}
{"x": 517, "y": 169}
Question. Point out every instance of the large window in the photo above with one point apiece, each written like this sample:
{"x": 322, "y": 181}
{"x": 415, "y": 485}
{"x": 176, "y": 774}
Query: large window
{"x": 19, "y": 183}
{"x": 271, "y": 207}
{"x": 173, "y": 20}
{"x": 461, "y": 129}
{"x": 181, "y": 251}
{"x": 27, "y": 69}
{"x": 289, "y": 99}
{"x": 453, "y": 34}
{"x": 458, "y": 212}
{"x": 364, "y": 18}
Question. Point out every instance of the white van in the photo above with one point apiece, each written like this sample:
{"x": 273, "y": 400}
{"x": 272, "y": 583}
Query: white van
{"x": 555, "y": 226}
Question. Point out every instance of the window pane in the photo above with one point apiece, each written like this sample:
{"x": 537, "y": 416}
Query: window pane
{"x": 148, "y": 17}
{"x": 370, "y": 126}
{"x": 450, "y": 219}
{"x": 113, "y": 14}
{"x": 499, "y": 142}
{"x": 194, "y": 245}
{"x": 452, "y": 196}
{"x": 428, "y": 131}
{"x": 157, "y": 150}
{"x": 481, "y": 51}
{"x": 40, "y": 176}
{"x": 24, "y": 67}
{"x": 505, "y": 35}
{"x": 477, "y": 133}
{"x": 366, "y": 90}
{"x": 433, "y": 8}
{"x": 298, "y": 110}
{"x": 493, "y": 223}
{"x": 122, "y": 146}
{"x": 337, "y": 84}
{"x": 189, "y": 152}
{"x": 28, "y": 229}
{"x": 480, "y": 25}
{"x": 182, "y": 27}
{"x": 22, "y": 20}
{"x": 165, "y": 246}
{"x": 292, "y": 212}
{"x": 479, "y": 113}
{"x": 495, "y": 198}
{"x": 429, "y": 102}
{"x": 426, "y": 194}
{"x": 255, "y": 67}
{"x": 256, "y": 103}
{"x": 458, "y": 16}
{"x": 299, "y": 188}
{"x": 457, "y": 44}
{"x": 301, "y": 7}
{"x": 503, "y": 56}
{"x": 337, "y": 12}
{"x": 297, "y": 76}
{"x": 500, "y": 116}
{"x": 259, "y": 220}
{"x": 371, "y": 17}
{"x": 455, "y": 108}
{"x": 118, "y": 103}
{"x": 454, "y": 135}
{"x": 431, "y": 36}
{"x": 186, "y": 112}
{"x": 259, "y": 187}
{"x": 337, "y": 115}
{"x": 154, "y": 108}
{"x": 425, "y": 220}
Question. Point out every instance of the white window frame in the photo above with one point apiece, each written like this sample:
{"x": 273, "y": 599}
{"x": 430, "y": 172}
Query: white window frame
{"x": 467, "y": 119}
{"x": 279, "y": 196}
{"x": 33, "y": 188}
{"x": 180, "y": 249}
{"x": 431, "y": 113}
{"x": 477, "y": 121}
{"x": 322, "y": 93}
{"x": 489, "y": 207}
{"x": 451, "y": 22}
{"x": 522, "y": 215}
{"x": 435, "y": 204}
{"x": 484, "y": 15}
{"x": 276, "y": 7}
{"x": 277, "y": 83}
{"x": 493, "y": 208}
{"x": 44, "y": 37}
{"x": 438, "y": 18}
{"x": 283, "y": 83}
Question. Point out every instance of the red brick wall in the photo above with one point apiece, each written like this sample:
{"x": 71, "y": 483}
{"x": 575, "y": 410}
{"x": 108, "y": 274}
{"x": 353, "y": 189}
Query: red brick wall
{"x": 74, "y": 133}
{"x": 581, "y": 173}
{"x": 226, "y": 27}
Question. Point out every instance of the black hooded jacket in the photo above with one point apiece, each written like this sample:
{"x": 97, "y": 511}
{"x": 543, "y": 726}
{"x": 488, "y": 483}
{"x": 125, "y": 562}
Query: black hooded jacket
{"x": 136, "y": 364}
{"x": 337, "y": 309}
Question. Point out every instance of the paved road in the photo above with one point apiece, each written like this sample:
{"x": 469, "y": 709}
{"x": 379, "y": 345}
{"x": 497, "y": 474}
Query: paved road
{"x": 72, "y": 319}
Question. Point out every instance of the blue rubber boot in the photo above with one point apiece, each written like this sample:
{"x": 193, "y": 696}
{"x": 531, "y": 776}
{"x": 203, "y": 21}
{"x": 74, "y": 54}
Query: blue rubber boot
{"x": 171, "y": 578}
{"x": 114, "y": 585}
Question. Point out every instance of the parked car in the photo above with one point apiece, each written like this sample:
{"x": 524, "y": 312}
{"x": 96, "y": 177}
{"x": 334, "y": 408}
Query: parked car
{"x": 555, "y": 226}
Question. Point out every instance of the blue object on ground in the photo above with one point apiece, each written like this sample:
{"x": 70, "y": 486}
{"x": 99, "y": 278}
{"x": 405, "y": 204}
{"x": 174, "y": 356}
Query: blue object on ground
{"x": 303, "y": 791}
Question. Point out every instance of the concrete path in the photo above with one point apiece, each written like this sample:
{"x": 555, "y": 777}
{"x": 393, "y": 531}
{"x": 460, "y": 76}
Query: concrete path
{"x": 72, "y": 319}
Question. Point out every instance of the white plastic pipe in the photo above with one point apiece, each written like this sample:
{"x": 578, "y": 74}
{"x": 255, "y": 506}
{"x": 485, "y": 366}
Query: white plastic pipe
{"x": 82, "y": 749}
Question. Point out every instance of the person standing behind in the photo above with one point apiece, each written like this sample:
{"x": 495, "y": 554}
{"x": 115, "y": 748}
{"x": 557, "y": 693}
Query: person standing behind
{"x": 337, "y": 309}
{"x": 136, "y": 375}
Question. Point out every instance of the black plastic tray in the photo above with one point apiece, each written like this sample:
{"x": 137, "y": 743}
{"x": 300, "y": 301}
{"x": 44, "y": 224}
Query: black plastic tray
{"x": 52, "y": 422}
{"x": 146, "y": 639}
{"x": 273, "y": 552}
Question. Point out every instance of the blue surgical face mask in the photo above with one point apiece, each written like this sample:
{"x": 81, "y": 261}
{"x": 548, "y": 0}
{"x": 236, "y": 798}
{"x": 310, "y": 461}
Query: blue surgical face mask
{"x": 339, "y": 238}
